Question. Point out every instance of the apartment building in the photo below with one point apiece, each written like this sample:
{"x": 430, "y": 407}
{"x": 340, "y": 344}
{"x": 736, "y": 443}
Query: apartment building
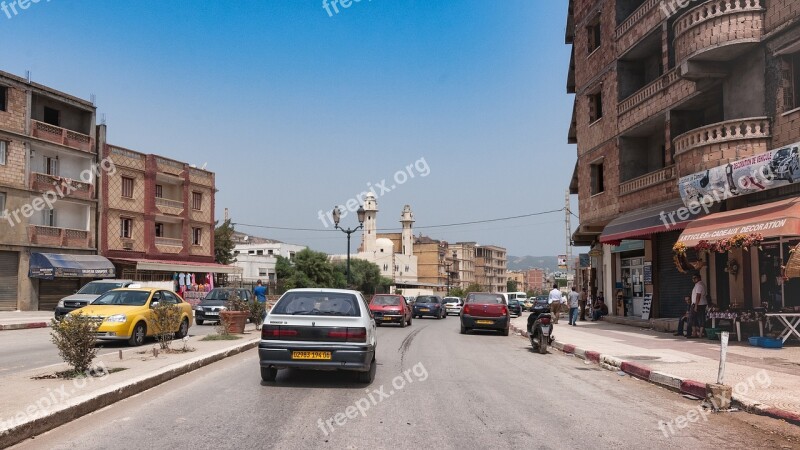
{"x": 537, "y": 280}
{"x": 681, "y": 109}
{"x": 519, "y": 278}
{"x": 490, "y": 267}
{"x": 257, "y": 257}
{"x": 48, "y": 205}
{"x": 464, "y": 254}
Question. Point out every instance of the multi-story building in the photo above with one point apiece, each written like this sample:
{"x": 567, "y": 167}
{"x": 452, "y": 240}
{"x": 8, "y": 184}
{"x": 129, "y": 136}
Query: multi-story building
{"x": 681, "y": 109}
{"x": 48, "y": 206}
{"x": 257, "y": 257}
{"x": 158, "y": 216}
{"x": 537, "y": 280}
{"x": 432, "y": 262}
{"x": 490, "y": 267}
{"x": 520, "y": 279}
{"x": 464, "y": 255}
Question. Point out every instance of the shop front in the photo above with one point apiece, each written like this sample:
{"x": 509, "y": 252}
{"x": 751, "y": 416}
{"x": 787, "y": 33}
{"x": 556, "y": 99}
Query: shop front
{"x": 60, "y": 275}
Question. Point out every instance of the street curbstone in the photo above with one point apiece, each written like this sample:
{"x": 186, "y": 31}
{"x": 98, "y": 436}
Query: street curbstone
{"x": 666, "y": 380}
{"x": 637, "y": 370}
{"x": 695, "y": 388}
{"x": 777, "y": 413}
{"x": 611, "y": 361}
{"x": 23, "y": 326}
{"x": 593, "y": 356}
{"x": 568, "y": 348}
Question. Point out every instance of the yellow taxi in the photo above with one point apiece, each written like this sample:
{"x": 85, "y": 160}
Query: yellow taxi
{"x": 126, "y": 314}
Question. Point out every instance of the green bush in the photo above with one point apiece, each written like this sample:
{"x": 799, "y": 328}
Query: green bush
{"x": 257, "y": 310}
{"x": 75, "y": 338}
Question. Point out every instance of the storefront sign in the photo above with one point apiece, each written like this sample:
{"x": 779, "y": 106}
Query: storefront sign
{"x": 757, "y": 227}
{"x": 648, "y": 302}
{"x": 562, "y": 261}
{"x": 648, "y": 272}
{"x": 627, "y": 246}
{"x": 768, "y": 170}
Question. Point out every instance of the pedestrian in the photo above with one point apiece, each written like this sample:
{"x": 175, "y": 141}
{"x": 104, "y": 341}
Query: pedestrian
{"x": 682, "y": 322}
{"x": 260, "y": 292}
{"x": 554, "y": 300}
{"x": 699, "y": 303}
{"x": 582, "y": 302}
{"x": 599, "y": 308}
{"x": 574, "y": 301}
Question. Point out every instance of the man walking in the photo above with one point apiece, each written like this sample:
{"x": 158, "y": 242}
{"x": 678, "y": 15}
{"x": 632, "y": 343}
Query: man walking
{"x": 698, "y": 310}
{"x": 582, "y": 303}
{"x": 574, "y": 301}
{"x": 554, "y": 300}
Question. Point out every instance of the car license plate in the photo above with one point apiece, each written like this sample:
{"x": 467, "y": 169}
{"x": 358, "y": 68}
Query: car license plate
{"x": 387, "y": 318}
{"x": 485, "y": 322}
{"x": 425, "y": 309}
{"x": 212, "y": 313}
{"x": 311, "y": 355}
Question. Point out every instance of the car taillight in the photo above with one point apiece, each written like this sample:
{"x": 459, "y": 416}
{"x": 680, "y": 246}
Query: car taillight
{"x": 348, "y": 334}
{"x": 276, "y": 332}
{"x": 505, "y": 309}
{"x": 465, "y": 309}
{"x": 545, "y": 320}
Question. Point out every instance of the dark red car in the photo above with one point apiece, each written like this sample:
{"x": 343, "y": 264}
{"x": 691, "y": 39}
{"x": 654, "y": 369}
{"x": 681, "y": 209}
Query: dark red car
{"x": 390, "y": 308}
{"x": 485, "y": 310}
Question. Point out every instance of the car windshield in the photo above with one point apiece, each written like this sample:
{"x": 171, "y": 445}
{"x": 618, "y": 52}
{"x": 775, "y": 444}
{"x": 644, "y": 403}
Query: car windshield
{"x": 123, "y": 298}
{"x": 98, "y": 288}
{"x": 317, "y": 304}
{"x": 385, "y": 300}
{"x": 427, "y": 299}
{"x": 218, "y": 294}
{"x": 485, "y": 298}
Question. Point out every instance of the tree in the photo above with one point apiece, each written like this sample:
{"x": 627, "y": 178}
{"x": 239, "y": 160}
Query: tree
{"x": 365, "y": 276}
{"x": 457, "y": 292}
{"x": 307, "y": 269}
{"x": 511, "y": 286}
{"x": 474, "y": 287}
{"x": 223, "y": 242}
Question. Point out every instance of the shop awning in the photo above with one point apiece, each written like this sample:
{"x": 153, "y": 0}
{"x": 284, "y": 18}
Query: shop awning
{"x": 781, "y": 218}
{"x": 58, "y": 265}
{"x": 643, "y": 223}
{"x": 178, "y": 266}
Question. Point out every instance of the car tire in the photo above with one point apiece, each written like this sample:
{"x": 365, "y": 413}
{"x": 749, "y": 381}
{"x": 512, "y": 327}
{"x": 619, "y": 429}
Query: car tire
{"x": 463, "y": 329}
{"x": 368, "y": 376}
{"x": 138, "y": 335}
{"x": 198, "y": 321}
{"x": 183, "y": 330}
{"x": 403, "y": 322}
{"x": 409, "y": 321}
{"x": 268, "y": 374}
{"x": 505, "y": 332}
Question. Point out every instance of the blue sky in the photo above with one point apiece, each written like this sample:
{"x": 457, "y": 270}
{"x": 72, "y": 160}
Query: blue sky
{"x": 296, "y": 111}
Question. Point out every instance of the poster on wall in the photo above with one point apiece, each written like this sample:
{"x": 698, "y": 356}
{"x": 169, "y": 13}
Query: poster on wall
{"x": 562, "y": 261}
{"x": 648, "y": 302}
{"x": 648, "y": 272}
{"x": 768, "y": 170}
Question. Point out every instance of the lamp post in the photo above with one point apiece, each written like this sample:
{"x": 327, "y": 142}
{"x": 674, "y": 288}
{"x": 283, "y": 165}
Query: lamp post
{"x": 348, "y": 232}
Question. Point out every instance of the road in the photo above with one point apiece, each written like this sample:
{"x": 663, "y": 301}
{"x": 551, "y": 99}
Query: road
{"x": 23, "y": 350}
{"x": 481, "y": 390}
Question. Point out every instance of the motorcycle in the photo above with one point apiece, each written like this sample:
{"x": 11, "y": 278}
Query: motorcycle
{"x": 540, "y": 328}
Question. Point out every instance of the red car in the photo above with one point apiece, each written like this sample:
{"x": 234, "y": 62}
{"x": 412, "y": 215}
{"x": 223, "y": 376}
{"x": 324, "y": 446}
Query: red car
{"x": 390, "y": 308}
{"x": 484, "y": 310}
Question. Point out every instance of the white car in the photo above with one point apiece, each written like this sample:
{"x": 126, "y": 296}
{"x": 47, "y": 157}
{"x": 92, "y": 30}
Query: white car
{"x": 319, "y": 329}
{"x": 453, "y": 305}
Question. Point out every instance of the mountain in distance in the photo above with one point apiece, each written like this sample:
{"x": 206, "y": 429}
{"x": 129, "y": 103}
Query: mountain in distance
{"x": 531, "y": 262}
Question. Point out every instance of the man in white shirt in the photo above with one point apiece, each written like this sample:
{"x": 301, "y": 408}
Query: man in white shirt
{"x": 699, "y": 304}
{"x": 554, "y": 301}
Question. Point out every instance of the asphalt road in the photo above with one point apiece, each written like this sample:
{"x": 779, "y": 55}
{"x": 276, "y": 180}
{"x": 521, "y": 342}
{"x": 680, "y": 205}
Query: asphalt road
{"x": 22, "y": 350}
{"x": 475, "y": 391}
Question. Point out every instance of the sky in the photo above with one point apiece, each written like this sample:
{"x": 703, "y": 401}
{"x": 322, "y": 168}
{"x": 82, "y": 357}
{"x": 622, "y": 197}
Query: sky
{"x": 457, "y": 108}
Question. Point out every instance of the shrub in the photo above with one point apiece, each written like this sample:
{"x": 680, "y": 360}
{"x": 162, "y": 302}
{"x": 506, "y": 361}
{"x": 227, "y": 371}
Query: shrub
{"x": 75, "y": 338}
{"x": 166, "y": 320}
{"x": 257, "y": 310}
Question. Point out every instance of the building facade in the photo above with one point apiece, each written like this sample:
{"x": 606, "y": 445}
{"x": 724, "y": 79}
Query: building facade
{"x": 257, "y": 259}
{"x": 464, "y": 255}
{"x": 520, "y": 279}
{"x": 490, "y": 267}
{"x": 537, "y": 280}
{"x": 675, "y": 100}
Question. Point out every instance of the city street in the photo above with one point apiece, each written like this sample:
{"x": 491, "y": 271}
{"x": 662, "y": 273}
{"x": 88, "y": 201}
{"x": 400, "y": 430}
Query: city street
{"x": 481, "y": 390}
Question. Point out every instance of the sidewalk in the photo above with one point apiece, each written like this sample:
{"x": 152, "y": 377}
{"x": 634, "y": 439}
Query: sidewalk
{"x": 764, "y": 381}
{"x": 21, "y": 320}
{"x": 33, "y": 406}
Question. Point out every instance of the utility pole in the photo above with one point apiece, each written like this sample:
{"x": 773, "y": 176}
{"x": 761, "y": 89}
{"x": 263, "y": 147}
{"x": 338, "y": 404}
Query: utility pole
{"x": 568, "y": 230}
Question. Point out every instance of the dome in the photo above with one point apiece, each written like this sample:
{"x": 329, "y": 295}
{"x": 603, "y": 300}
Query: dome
{"x": 384, "y": 244}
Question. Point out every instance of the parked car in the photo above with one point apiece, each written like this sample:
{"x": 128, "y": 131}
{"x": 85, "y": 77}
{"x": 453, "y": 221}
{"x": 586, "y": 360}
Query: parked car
{"x": 319, "y": 329}
{"x": 541, "y": 304}
{"x": 411, "y": 300}
{"x": 390, "y": 308}
{"x": 527, "y": 304}
{"x": 429, "y": 305}
{"x": 126, "y": 313}
{"x": 87, "y": 294}
{"x": 514, "y": 307}
{"x": 209, "y": 307}
{"x": 452, "y": 305}
{"x": 485, "y": 310}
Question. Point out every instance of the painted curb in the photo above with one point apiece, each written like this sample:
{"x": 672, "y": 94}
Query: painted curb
{"x": 23, "y": 326}
{"x": 115, "y": 393}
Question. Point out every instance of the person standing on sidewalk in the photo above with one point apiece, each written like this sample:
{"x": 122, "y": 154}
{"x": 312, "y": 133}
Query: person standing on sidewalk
{"x": 260, "y": 292}
{"x": 554, "y": 301}
{"x": 574, "y": 301}
{"x": 699, "y": 304}
{"x": 582, "y": 302}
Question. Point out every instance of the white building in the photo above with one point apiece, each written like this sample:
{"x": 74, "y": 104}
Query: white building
{"x": 257, "y": 260}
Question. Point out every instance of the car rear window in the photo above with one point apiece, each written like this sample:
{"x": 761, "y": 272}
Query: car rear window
{"x": 427, "y": 299}
{"x": 317, "y": 304}
{"x": 485, "y": 298}
{"x": 385, "y": 300}
{"x": 98, "y": 288}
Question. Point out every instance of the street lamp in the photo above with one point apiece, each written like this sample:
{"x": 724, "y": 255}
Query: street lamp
{"x": 336, "y": 216}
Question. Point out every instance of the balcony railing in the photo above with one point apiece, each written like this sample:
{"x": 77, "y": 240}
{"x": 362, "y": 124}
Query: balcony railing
{"x": 696, "y": 31}
{"x": 169, "y": 203}
{"x": 43, "y": 182}
{"x": 62, "y": 136}
{"x": 635, "y": 17}
{"x": 63, "y": 237}
{"x": 730, "y": 130}
{"x": 172, "y": 242}
{"x": 647, "y": 180}
{"x": 650, "y": 90}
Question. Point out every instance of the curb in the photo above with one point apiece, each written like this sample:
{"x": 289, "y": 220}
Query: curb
{"x": 23, "y": 326}
{"x": 671, "y": 382}
{"x": 113, "y": 394}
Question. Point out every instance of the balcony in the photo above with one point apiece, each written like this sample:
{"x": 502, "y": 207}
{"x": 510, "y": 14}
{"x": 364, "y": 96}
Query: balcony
{"x": 42, "y": 182}
{"x": 58, "y": 237}
{"x": 638, "y": 24}
{"x": 661, "y": 94}
{"x": 169, "y": 242}
{"x": 62, "y": 136}
{"x": 169, "y": 206}
{"x": 647, "y": 180}
{"x": 718, "y": 30}
{"x": 722, "y": 142}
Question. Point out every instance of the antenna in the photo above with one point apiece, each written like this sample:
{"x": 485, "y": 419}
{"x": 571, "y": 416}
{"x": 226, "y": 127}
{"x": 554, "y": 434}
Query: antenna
{"x": 28, "y": 76}
{"x": 93, "y": 99}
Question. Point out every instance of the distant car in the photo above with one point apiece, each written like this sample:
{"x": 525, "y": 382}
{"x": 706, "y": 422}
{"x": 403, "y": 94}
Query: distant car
{"x": 514, "y": 307}
{"x": 452, "y": 305}
{"x": 127, "y": 313}
{"x": 429, "y": 305}
{"x": 87, "y": 294}
{"x": 410, "y": 300}
{"x": 390, "y": 308}
{"x": 540, "y": 305}
{"x": 485, "y": 310}
{"x": 209, "y": 307}
{"x": 526, "y": 305}
{"x": 319, "y": 329}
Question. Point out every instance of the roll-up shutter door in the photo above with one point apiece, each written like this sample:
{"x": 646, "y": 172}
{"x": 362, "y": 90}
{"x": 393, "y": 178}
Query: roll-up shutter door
{"x": 51, "y": 291}
{"x": 673, "y": 286}
{"x": 9, "y": 271}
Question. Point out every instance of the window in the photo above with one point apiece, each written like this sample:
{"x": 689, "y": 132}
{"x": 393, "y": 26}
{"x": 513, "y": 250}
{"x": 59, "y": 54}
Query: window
{"x": 597, "y": 182}
{"x": 595, "y": 106}
{"x": 3, "y": 153}
{"x": 159, "y": 191}
{"x": 291, "y": 255}
{"x": 197, "y": 236}
{"x": 259, "y": 252}
{"x": 236, "y": 252}
{"x": 2, "y": 204}
{"x": 125, "y": 227}
{"x": 159, "y": 229}
{"x": 3, "y": 95}
{"x": 52, "y": 116}
{"x": 593, "y": 34}
{"x": 262, "y": 272}
{"x": 197, "y": 201}
{"x": 791, "y": 90}
{"x": 270, "y": 252}
{"x": 49, "y": 217}
{"x": 127, "y": 187}
{"x": 51, "y": 165}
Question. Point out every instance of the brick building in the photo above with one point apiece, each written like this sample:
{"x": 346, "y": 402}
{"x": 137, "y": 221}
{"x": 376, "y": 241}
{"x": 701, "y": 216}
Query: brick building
{"x": 537, "y": 280}
{"x": 675, "y": 101}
